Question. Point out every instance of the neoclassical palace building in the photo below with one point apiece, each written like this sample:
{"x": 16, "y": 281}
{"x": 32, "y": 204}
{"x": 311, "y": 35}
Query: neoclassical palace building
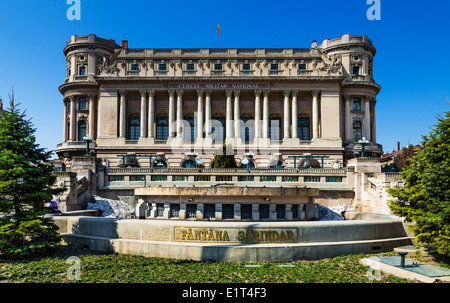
{"x": 145, "y": 124}
{"x": 317, "y": 101}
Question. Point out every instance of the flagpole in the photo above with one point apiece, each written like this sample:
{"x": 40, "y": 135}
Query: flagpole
{"x": 217, "y": 33}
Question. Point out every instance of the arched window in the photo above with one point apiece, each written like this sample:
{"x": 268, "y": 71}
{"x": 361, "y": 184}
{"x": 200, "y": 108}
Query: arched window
{"x": 134, "y": 129}
{"x": 159, "y": 163}
{"x": 188, "y": 164}
{"x": 81, "y": 130}
{"x": 357, "y": 131}
{"x": 162, "y": 129}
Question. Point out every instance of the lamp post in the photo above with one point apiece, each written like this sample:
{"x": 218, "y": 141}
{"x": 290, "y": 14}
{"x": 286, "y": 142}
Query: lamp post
{"x": 88, "y": 140}
{"x": 363, "y": 143}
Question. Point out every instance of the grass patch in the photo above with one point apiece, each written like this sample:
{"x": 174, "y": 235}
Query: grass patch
{"x": 98, "y": 267}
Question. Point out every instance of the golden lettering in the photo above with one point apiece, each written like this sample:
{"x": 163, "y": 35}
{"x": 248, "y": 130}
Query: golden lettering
{"x": 289, "y": 235}
{"x": 183, "y": 234}
{"x": 282, "y": 236}
{"x": 189, "y": 235}
{"x": 247, "y": 236}
{"x": 197, "y": 234}
{"x": 210, "y": 235}
{"x": 240, "y": 235}
{"x": 225, "y": 236}
{"x": 219, "y": 235}
{"x": 255, "y": 235}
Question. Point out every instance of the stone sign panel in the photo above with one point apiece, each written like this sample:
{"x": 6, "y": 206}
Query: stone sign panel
{"x": 234, "y": 234}
{"x": 241, "y": 86}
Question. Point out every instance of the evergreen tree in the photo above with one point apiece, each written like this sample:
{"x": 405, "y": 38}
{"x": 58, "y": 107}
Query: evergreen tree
{"x": 225, "y": 159}
{"x": 25, "y": 187}
{"x": 425, "y": 197}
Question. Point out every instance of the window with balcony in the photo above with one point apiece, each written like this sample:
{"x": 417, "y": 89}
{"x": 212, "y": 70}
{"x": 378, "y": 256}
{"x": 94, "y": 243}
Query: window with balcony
{"x": 355, "y": 70}
{"x": 82, "y": 71}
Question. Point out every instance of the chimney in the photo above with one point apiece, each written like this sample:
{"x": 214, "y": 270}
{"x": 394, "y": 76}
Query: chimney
{"x": 398, "y": 145}
{"x": 125, "y": 44}
{"x": 314, "y": 44}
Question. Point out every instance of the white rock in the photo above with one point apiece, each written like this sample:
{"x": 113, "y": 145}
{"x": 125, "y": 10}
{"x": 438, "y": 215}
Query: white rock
{"x": 333, "y": 213}
{"x": 112, "y": 208}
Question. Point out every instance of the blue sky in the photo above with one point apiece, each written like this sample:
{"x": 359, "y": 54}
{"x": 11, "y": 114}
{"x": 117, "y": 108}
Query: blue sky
{"x": 412, "y": 38}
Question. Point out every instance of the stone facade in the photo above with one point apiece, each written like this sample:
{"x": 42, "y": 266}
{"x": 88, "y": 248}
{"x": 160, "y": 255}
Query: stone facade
{"x": 153, "y": 120}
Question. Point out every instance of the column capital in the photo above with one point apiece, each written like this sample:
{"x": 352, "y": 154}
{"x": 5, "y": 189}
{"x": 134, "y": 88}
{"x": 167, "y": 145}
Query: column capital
{"x": 229, "y": 93}
{"x": 151, "y": 93}
{"x": 347, "y": 97}
{"x": 200, "y": 92}
{"x": 179, "y": 92}
{"x": 294, "y": 93}
{"x": 315, "y": 93}
{"x": 171, "y": 92}
{"x": 208, "y": 92}
{"x": 286, "y": 93}
{"x": 122, "y": 92}
{"x": 266, "y": 92}
{"x": 258, "y": 92}
{"x": 236, "y": 92}
{"x": 71, "y": 98}
{"x": 143, "y": 93}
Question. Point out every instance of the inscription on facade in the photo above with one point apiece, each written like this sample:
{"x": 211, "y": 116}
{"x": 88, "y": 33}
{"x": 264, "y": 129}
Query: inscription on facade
{"x": 219, "y": 86}
{"x": 235, "y": 235}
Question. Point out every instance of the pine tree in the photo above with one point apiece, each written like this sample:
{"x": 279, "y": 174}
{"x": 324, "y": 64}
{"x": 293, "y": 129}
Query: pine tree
{"x": 425, "y": 197}
{"x": 25, "y": 187}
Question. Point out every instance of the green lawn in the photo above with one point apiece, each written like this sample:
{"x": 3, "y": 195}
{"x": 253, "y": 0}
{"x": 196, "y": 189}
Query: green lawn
{"x": 115, "y": 268}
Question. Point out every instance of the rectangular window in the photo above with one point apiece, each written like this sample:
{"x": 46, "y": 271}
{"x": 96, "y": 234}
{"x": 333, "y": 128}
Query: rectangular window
{"x": 274, "y": 66}
{"x": 209, "y": 211}
{"x": 134, "y": 129}
{"x": 218, "y": 66}
{"x": 190, "y": 132}
{"x": 355, "y": 70}
{"x": 135, "y": 67}
{"x": 275, "y": 129}
{"x": 246, "y": 66}
{"x": 174, "y": 210}
{"x": 218, "y": 129}
{"x": 294, "y": 210}
{"x": 264, "y": 211}
{"x": 190, "y": 66}
{"x": 246, "y": 211}
{"x": 303, "y": 128}
{"x": 228, "y": 211}
{"x": 191, "y": 211}
{"x": 82, "y": 103}
{"x": 281, "y": 211}
{"x": 162, "y": 67}
{"x": 301, "y": 66}
{"x": 82, "y": 71}
{"x": 159, "y": 209}
{"x": 357, "y": 104}
{"x": 247, "y": 129}
{"x": 162, "y": 129}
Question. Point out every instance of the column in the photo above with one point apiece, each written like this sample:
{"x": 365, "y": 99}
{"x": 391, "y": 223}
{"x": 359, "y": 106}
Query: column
{"x": 200, "y": 114}
{"x": 348, "y": 118}
{"x": 374, "y": 124}
{"x": 179, "y": 112}
{"x": 143, "y": 113}
{"x": 171, "y": 112}
{"x": 266, "y": 114}
{"x": 151, "y": 113}
{"x": 92, "y": 115}
{"x": 367, "y": 118}
{"x": 65, "y": 134}
{"x": 208, "y": 114}
{"x": 294, "y": 114}
{"x": 257, "y": 114}
{"x": 315, "y": 114}
{"x": 237, "y": 126}
{"x": 73, "y": 119}
{"x": 286, "y": 132}
{"x": 123, "y": 113}
{"x": 229, "y": 115}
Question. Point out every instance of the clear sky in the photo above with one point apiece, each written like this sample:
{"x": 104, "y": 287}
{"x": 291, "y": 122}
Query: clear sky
{"x": 412, "y": 38}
